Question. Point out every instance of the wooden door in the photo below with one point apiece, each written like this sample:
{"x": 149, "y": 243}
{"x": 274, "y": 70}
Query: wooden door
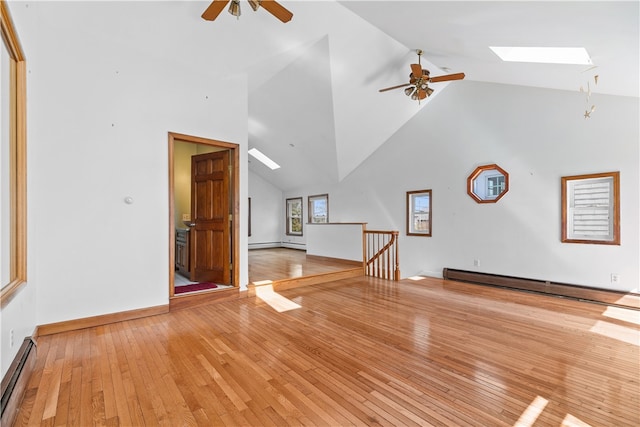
{"x": 210, "y": 212}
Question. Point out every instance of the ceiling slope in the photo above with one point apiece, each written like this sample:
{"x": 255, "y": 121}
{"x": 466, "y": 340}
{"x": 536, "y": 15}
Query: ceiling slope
{"x": 291, "y": 121}
{"x": 313, "y": 82}
{"x": 457, "y": 35}
{"x": 372, "y": 43}
{"x": 361, "y": 59}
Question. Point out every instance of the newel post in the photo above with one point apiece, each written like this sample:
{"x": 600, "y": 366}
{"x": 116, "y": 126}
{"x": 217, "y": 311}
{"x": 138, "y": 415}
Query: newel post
{"x": 396, "y": 269}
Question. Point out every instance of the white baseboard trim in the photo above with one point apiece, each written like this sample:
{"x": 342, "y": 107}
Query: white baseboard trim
{"x": 269, "y": 245}
{"x": 266, "y": 245}
{"x": 291, "y": 245}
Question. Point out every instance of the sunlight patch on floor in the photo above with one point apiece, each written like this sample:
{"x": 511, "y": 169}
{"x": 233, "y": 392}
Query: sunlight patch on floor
{"x": 535, "y": 408}
{"x": 274, "y": 299}
{"x": 571, "y": 421}
{"x": 416, "y": 278}
{"x": 531, "y": 414}
{"x": 626, "y": 315}
{"x": 617, "y": 332}
{"x": 295, "y": 270}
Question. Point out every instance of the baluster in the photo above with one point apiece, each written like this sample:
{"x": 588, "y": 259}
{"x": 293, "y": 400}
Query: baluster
{"x": 381, "y": 254}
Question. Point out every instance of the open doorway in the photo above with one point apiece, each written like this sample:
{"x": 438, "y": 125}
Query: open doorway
{"x": 203, "y": 214}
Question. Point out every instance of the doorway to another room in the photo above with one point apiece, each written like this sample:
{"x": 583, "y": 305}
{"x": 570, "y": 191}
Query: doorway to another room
{"x": 203, "y": 212}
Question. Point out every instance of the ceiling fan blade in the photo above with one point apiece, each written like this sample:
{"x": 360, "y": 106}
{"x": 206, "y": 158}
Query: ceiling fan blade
{"x": 422, "y": 94}
{"x": 214, "y": 9}
{"x": 457, "y": 76}
{"x": 394, "y": 87}
{"x": 416, "y": 70}
{"x": 277, "y": 10}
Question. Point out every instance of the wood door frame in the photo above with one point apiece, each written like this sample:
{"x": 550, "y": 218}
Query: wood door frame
{"x": 235, "y": 204}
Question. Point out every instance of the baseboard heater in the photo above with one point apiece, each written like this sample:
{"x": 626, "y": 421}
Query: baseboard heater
{"x": 15, "y": 381}
{"x": 584, "y": 293}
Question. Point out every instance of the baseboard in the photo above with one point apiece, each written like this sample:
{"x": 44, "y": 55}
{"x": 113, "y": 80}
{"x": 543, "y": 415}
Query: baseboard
{"x": 267, "y": 245}
{"x": 15, "y": 381}
{"x": 105, "y": 319}
{"x": 189, "y": 300}
{"x": 291, "y": 245}
{"x": 332, "y": 259}
{"x": 584, "y": 293}
{"x": 297, "y": 282}
{"x": 275, "y": 245}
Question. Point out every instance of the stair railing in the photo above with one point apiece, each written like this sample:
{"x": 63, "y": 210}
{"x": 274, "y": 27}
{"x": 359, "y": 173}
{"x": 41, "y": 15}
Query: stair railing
{"x": 381, "y": 254}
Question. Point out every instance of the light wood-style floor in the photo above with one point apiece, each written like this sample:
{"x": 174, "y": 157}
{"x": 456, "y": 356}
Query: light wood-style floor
{"x": 284, "y": 263}
{"x": 357, "y": 352}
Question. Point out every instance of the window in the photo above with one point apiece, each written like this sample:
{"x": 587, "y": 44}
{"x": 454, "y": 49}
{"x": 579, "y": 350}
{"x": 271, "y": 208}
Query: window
{"x": 319, "y": 208}
{"x": 591, "y": 208}
{"x": 13, "y": 161}
{"x": 294, "y": 216}
{"x": 419, "y": 213}
{"x": 495, "y": 185}
{"x": 488, "y": 183}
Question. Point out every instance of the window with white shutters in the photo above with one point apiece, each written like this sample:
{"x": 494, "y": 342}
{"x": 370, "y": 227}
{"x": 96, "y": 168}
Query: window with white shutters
{"x": 590, "y": 208}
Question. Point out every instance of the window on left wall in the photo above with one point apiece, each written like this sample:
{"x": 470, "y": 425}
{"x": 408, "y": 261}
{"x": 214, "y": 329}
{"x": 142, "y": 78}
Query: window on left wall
{"x": 13, "y": 203}
{"x": 294, "y": 216}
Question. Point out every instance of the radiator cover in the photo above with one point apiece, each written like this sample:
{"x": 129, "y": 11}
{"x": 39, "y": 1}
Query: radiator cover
{"x": 584, "y": 293}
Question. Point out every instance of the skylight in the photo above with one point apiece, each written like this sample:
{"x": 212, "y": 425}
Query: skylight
{"x": 257, "y": 154}
{"x": 547, "y": 55}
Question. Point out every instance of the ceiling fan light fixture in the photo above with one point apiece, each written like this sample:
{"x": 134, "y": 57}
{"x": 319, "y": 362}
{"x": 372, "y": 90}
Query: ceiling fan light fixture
{"x": 272, "y": 6}
{"x": 418, "y": 87}
{"x": 255, "y": 4}
{"x": 234, "y": 8}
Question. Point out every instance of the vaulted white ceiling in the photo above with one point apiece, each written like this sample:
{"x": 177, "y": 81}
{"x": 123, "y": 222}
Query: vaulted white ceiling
{"x": 318, "y": 112}
{"x": 313, "y": 100}
{"x": 321, "y": 114}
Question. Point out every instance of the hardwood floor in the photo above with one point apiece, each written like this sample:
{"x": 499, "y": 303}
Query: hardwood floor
{"x": 357, "y": 352}
{"x": 274, "y": 264}
{"x": 283, "y": 263}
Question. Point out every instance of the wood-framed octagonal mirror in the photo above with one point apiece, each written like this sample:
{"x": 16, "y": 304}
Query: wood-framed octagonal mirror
{"x": 488, "y": 183}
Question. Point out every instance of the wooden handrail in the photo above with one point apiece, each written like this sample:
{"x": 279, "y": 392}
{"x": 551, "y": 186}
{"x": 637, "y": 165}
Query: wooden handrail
{"x": 381, "y": 254}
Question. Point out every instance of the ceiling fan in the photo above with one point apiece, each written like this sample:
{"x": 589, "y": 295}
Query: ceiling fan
{"x": 418, "y": 86}
{"x": 271, "y": 6}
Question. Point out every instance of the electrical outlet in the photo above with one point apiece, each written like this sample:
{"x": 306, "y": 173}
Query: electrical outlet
{"x": 615, "y": 279}
{"x": 476, "y": 263}
{"x": 11, "y": 338}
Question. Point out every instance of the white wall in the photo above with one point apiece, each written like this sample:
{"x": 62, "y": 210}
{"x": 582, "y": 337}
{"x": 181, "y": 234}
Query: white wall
{"x": 342, "y": 241}
{"x": 537, "y": 136}
{"x": 18, "y": 315}
{"x": 99, "y": 111}
{"x": 266, "y": 213}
